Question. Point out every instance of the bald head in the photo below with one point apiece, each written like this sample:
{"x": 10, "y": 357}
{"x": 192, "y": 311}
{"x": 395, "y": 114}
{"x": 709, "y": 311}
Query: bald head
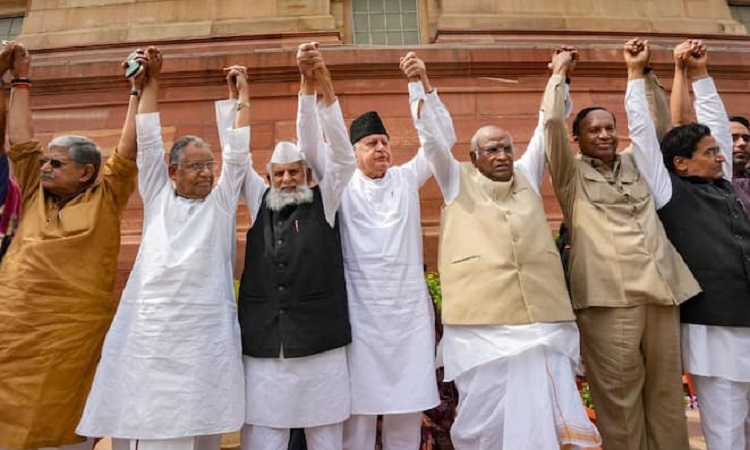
{"x": 492, "y": 153}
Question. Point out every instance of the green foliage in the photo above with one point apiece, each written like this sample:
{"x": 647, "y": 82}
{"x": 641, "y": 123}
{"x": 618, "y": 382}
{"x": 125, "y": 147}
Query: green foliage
{"x": 586, "y": 395}
{"x": 433, "y": 285}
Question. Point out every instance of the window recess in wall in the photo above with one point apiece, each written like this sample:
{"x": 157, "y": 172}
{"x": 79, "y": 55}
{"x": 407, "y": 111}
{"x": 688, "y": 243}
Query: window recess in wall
{"x": 385, "y": 22}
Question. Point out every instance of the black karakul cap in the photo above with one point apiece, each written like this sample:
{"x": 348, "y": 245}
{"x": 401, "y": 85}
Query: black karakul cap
{"x": 365, "y": 125}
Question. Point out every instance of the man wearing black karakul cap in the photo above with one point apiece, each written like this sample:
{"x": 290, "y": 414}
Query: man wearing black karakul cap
{"x": 391, "y": 358}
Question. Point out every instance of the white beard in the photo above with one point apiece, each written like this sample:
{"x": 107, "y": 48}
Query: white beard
{"x": 277, "y": 199}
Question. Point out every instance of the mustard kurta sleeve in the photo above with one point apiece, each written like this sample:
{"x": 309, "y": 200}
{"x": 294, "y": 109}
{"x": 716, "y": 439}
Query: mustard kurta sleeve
{"x": 26, "y": 158}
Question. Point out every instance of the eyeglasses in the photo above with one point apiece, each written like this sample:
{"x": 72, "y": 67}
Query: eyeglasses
{"x": 744, "y": 137}
{"x": 54, "y": 163}
{"x": 712, "y": 152}
{"x": 197, "y": 166}
{"x": 492, "y": 151}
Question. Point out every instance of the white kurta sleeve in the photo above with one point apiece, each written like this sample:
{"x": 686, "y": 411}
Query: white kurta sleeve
{"x": 152, "y": 171}
{"x": 646, "y": 148}
{"x": 435, "y": 146}
{"x": 710, "y": 111}
{"x": 252, "y": 186}
{"x": 341, "y": 163}
{"x": 226, "y": 111}
{"x": 309, "y": 135}
{"x": 253, "y": 189}
{"x": 433, "y": 102}
{"x": 235, "y": 165}
{"x": 418, "y": 166}
{"x": 533, "y": 161}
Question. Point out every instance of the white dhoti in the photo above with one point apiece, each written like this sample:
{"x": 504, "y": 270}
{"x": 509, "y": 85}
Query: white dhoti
{"x": 517, "y": 387}
{"x": 211, "y": 442}
{"x": 304, "y": 392}
{"x": 718, "y": 361}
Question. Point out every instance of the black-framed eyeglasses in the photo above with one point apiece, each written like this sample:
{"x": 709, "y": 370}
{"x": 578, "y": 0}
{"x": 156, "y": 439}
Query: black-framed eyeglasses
{"x": 54, "y": 163}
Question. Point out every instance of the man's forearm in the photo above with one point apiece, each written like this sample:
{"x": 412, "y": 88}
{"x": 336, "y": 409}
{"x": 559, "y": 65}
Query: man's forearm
{"x": 680, "y": 100}
{"x": 127, "y": 146}
{"x": 242, "y": 119}
{"x": 325, "y": 85}
{"x": 20, "y": 128}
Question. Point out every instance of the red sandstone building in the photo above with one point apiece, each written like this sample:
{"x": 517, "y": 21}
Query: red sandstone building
{"x": 486, "y": 57}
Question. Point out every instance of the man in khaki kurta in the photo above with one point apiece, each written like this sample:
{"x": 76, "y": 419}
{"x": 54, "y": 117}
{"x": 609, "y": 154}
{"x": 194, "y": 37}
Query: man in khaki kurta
{"x": 56, "y": 281}
{"x": 626, "y": 279}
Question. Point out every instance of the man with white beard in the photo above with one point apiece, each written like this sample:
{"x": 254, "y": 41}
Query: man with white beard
{"x": 293, "y": 305}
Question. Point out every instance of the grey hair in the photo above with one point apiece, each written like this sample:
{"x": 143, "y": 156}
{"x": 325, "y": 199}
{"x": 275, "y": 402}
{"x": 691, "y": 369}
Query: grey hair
{"x": 481, "y": 131}
{"x": 81, "y": 150}
{"x": 178, "y": 148}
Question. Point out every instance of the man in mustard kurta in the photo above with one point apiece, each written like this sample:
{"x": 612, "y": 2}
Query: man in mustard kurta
{"x": 56, "y": 281}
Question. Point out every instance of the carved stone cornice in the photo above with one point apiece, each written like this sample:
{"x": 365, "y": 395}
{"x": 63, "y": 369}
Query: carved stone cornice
{"x": 271, "y": 60}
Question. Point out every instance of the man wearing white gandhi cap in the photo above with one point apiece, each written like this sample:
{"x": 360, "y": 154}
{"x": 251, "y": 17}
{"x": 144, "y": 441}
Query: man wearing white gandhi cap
{"x": 293, "y": 308}
{"x": 287, "y": 159}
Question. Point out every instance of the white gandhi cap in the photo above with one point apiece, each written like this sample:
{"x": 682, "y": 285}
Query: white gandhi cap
{"x": 286, "y": 152}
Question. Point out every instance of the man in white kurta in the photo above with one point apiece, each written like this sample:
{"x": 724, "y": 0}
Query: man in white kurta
{"x": 170, "y": 376}
{"x": 510, "y": 341}
{"x": 391, "y": 358}
{"x": 293, "y": 308}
